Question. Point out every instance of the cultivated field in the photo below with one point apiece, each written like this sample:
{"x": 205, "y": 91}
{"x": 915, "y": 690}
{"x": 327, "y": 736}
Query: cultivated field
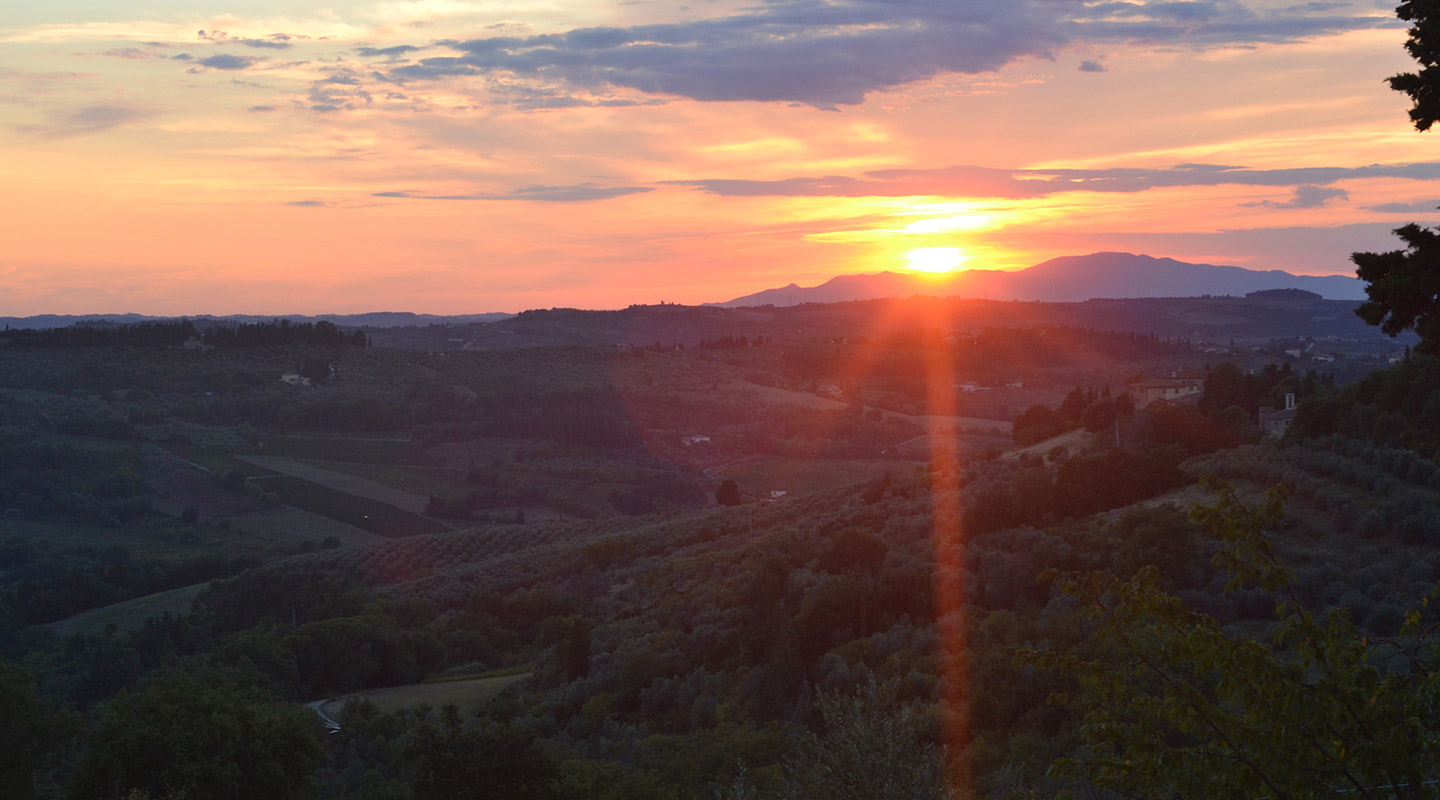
{"x": 466, "y": 695}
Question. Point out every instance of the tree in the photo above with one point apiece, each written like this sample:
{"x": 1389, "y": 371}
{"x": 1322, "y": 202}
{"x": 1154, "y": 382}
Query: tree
{"x": 1404, "y": 287}
{"x": 1424, "y": 46}
{"x": 728, "y": 494}
{"x": 450, "y": 761}
{"x": 872, "y": 746}
{"x": 854, "y": 550}
{"x": 179, "y": 735}
{"x": 1227, "y": 386}
{"x": 1404, "y": 290}
{"x": 1173, "y": 705}
{"x": 29, "y": 729}
{"x": 1037, "y": 423}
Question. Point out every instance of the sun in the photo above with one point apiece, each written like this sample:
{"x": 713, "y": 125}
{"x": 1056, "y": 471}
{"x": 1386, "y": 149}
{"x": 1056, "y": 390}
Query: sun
{"x": 935, "y": 260}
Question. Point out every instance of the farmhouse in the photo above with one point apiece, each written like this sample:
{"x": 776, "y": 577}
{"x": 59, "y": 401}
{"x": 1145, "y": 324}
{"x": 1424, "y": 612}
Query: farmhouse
{"x": 1275, "y": 422}
{"x": 1147, "y": 392}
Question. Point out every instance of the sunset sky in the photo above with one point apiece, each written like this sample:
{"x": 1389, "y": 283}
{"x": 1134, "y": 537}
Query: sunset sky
{"x": 457, "y": 156}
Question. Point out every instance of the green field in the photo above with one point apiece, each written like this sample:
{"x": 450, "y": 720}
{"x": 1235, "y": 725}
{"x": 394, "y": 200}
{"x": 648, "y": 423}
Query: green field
{"x": 321, "y": 448}
{"x": 90, "y": 443}
{"x": 467, "y": 695}
{"x": 130, "y": 614}
{"x": 415, "y": 480}
{"x": 137, "y": 537}
{"x": 217, "y": 460}
{"x": 363, "y": 513}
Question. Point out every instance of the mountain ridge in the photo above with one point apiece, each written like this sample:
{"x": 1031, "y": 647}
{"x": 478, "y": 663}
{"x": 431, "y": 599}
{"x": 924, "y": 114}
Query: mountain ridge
{"x": 1107, "y": 275}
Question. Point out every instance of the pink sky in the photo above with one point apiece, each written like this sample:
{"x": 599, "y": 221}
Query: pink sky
{"x": 447, "y": 156}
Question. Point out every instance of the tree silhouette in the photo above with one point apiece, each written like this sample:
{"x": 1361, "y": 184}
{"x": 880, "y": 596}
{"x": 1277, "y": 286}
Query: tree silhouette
{"x": 1404, "y": 288}
{"x": 1424, "y": 46}
{"x": 728, "y": 494}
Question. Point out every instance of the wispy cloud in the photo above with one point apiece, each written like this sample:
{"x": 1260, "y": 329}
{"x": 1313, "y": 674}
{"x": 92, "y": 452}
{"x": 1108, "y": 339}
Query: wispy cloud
{"x": 577, "y": 193}
{"x": 88, "y": 120}
{"x": 1426, "y": 207}
{"x": 131, "y": 54}
{"x": 974, "y": 181}
{"x": 574, "y": 194}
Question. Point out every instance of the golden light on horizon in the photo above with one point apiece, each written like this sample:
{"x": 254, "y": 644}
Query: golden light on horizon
{"x": 935, "y": 260}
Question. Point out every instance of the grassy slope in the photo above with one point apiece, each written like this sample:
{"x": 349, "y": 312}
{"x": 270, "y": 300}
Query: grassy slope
{"x": 467, "y": 695}
{"x": 130, "y": 614}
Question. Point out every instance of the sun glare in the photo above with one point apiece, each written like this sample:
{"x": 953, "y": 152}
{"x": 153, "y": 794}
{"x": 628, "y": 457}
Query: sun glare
{"x": 935, "y": 260}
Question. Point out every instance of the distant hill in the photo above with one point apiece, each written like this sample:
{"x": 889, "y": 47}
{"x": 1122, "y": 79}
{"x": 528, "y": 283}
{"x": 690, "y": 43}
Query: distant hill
{"x": 374, "y": 319}
{"x": 1228, "y": 319}
{"x": 1067, "y": 279}
{"x": 1284, "y": 294}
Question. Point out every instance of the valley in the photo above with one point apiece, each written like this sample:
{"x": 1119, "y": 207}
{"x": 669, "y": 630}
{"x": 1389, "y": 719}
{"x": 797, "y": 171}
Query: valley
{"x": 543, "y": 535}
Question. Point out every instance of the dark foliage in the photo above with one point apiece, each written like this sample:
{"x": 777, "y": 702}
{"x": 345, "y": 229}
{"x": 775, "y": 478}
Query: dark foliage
{"x": 1404, "y": 287}
{"x": 1423, "y": 44}
{"x": 1396, "y": 407}
{"x": 102, "y": 334}
{"x": 182, "y": 735}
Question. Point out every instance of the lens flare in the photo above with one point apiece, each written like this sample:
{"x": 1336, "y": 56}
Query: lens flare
{"x": 935, "y": 260}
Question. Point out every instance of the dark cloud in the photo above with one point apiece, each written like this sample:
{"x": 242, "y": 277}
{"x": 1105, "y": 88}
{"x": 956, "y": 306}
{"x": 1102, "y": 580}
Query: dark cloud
{"x": 1092, "y": 66}
{"x": 266, "y": 44}
{"x": 1025, "y": 183}
{"x": 182, "y": 57}
{"x": 578, "y": 193}
{"x": 307, "y": 203}
{"x": 387, "y": 52}
{"x": 275, "y": 41}
{"x": 91, "y": 119}
{"x": 1405, "y": 208}
{"x": 827, "y": 53}
{"x": 817, "y": 53}
{"x": 339, "y": 91}
{"x": 1179, "y": 12}
{"x": 1306, "y": 196}
{"x": 543, "y": 103}
{"x": 227, "y": 61}
{"x": 261, "y": 109}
